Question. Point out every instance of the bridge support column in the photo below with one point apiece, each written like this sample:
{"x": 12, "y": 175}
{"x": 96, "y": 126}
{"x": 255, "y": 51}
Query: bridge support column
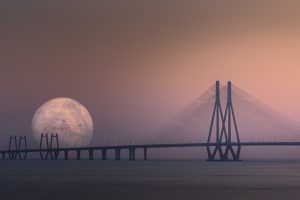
{"x": 91, "y": 154}
{"x": 12, "y": 155}
{"x": 56, "y": 154}
{"x": 78, "y": 154}
{"x": 22, "y": 156}
{"x": 129, "y": 153}
{"x": 145, "y": 153}
{"x": 132, "y": 154}
{"x": 217, "y": 150}
{"x": 3, "y": 155}
{"x": 117, "y": 154}
{"x": 231, "y": 153}
{"x": 104, "y": 154}
{"x": 66, "y": 152}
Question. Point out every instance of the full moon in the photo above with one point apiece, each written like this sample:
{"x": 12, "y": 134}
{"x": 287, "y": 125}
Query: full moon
{"x": 66, "y": 117}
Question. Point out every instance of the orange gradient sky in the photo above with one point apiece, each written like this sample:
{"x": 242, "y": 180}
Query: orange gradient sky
{"x": 136, "y": 64}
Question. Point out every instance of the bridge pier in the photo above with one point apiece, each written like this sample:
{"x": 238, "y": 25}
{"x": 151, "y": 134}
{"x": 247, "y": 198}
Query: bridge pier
{"x": 145, "y": 153}
{"x": 235, "y": 154}
{"x": 104, "y": 151}
{"x": 91, "y": 154}
{"x": 49, "y": 152}
{"x": 117, "y": 154}
{"x": 25, "y": 155}
{"x": 66, "y": 153}
{"x": 22, "y": 157}
{"x": 12, "y": 155}
{"x": 41, "y": 155}
{"x": 54, "y": 154}
{"x": 78, "y": 152}
{"x": 132, "y": 154}
{"x": 3, "y": 155}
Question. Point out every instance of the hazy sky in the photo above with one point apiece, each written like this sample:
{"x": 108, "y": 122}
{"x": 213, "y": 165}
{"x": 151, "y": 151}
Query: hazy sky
{"x": 134, "y": 64}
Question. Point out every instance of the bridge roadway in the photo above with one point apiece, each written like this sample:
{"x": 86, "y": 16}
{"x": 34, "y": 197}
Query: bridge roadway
{"x": 53, "y": 153}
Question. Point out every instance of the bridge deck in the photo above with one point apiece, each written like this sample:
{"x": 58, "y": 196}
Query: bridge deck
{"x": 149, "y": 146}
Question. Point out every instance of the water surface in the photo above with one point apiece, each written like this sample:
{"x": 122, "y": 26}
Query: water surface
{"x": 36, "y": 179}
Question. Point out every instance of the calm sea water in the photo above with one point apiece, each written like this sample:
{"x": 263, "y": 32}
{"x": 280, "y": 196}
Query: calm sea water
{"x": 36, "y": 179}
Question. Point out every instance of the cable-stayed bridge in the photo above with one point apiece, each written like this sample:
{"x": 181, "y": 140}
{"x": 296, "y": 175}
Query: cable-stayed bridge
{"x": 255, "y": 120}
{"x": 224, "y": 119}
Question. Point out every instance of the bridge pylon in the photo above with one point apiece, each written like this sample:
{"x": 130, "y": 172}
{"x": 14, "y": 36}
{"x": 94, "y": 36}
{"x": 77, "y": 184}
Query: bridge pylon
{"x": 44, "y": 144}
{"x": 13, "y": 147}
{"x": 54, "y": 145}
{"x": 50, "y": 148}
{"x": 222, "y": 148}
{"x": 231, "y": 152}
{"x": 22, "y": 146}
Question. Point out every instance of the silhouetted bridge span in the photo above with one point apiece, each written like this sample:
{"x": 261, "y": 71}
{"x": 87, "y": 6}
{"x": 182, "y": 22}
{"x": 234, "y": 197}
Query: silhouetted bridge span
{"x": 223, "y": 142}
{"x": 53, "y": 153}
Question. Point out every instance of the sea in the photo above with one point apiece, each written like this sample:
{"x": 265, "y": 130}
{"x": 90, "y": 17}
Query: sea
{"x": 149, "y": 180}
